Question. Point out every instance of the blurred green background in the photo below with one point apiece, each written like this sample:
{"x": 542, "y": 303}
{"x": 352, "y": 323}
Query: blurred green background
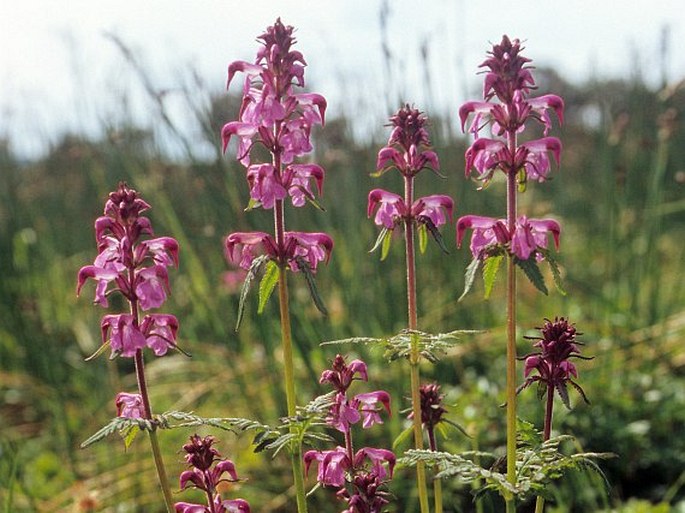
{"x": 619, "y": 196}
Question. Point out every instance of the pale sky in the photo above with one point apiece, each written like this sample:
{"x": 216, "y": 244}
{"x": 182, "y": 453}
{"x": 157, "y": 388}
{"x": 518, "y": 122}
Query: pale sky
{"x": 58, "y": 70}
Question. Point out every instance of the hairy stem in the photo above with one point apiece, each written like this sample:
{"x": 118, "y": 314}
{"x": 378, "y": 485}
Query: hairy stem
{"x": 154, "y": 442}
{"x": 511, "y": 333}
{"x": 415, "y": 356}
{"x": 437, "y": 484}
{"x": 547, "y": 432}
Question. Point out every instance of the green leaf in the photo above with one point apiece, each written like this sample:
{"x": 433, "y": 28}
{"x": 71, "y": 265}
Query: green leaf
{"x": 470, "y": 277}
{"x": 490, "y": 268}
{"x": 423, "y": 238}
{"x": 402, "y": 438}
{"x": 129, "y": 434}
{"x": 303, "y": 266}
{"x": 556, "y": 273}
{"x": 532, "y": 272}
{"x": 99, "y": 351}
{"x": 267, "y": 285}
{"x": 386, "y": 245}
{"x": 251, "y": 274}
{"x": 315, "y": 203}
{"x": 379, "y": 240}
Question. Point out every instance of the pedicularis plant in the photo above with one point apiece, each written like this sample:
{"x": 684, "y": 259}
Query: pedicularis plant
{"x": 278, "y": 120}
{"x": 273, "y": 116}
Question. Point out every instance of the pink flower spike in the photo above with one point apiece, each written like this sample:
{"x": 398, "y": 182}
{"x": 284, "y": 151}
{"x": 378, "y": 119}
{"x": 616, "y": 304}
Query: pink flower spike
{"x": 391, "y": 208}
{"x": 129, "y": 405}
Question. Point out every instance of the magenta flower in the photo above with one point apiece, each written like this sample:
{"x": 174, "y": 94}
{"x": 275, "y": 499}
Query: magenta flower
{"x": 123, "y": 334}
{"x": 332, "y": 465}
{"x": 160, "y": 332}
{"x": 529, "y": 236}
{"x": 129, "y": 405}
{"x": 299, "y": 249}
{"x": 207, "y": 471}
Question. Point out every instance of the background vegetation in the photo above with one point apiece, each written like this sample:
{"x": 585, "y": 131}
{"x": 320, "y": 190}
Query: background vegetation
{"x": 619, "y": 196}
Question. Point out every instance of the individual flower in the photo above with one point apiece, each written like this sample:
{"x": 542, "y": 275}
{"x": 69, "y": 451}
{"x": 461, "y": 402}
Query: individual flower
{"x": 529, "y": 236}
{"x": 208, "y": 469}
{"x": 551, "y": 366}
{"x": 126, "y": 336}
{"x": 334, "y": 464}
{"x": 129, "y": 405}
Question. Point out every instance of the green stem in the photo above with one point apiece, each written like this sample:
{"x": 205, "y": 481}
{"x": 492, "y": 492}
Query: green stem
{"x": 437, "y": 484}
{"x": 546, "y": 433}
{"x": 511, "y": 335}
{"x": 415, "y": 356}
{"x": 286, "y": 339}
{"x": 154, "y": 442}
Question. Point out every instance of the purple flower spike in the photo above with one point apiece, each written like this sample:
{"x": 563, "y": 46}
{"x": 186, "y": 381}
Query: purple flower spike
{"x": 551, "y": 365}
{"x": 207, "y": 471}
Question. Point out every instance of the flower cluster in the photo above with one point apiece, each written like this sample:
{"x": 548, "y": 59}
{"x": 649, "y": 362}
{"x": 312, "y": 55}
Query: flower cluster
{"x": 274, "y": 116}
{"x": 207, "y": 471}
{"x": 358, "y": 475}
{"x": 529, "y": 236}
{"x": 552, "y": 366}
{"x": 299, "y": 248}
{"x": 510, "y": 80}
{"x": 408, "y": 151}
{"x": 135, "y": 268}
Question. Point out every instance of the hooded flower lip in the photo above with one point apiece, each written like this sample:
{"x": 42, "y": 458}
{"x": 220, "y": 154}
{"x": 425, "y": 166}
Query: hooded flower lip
{"x": 333, "y": 464}
{"x": 529, "y": 235}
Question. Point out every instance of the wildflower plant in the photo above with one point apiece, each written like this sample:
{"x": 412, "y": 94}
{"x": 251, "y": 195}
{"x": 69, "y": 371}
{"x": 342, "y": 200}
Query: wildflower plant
{"x": 136, "y": 268}
{"x": 360, "y": 476}
{"x": 276, "y": 118}
{"x": 409, "y": 152}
